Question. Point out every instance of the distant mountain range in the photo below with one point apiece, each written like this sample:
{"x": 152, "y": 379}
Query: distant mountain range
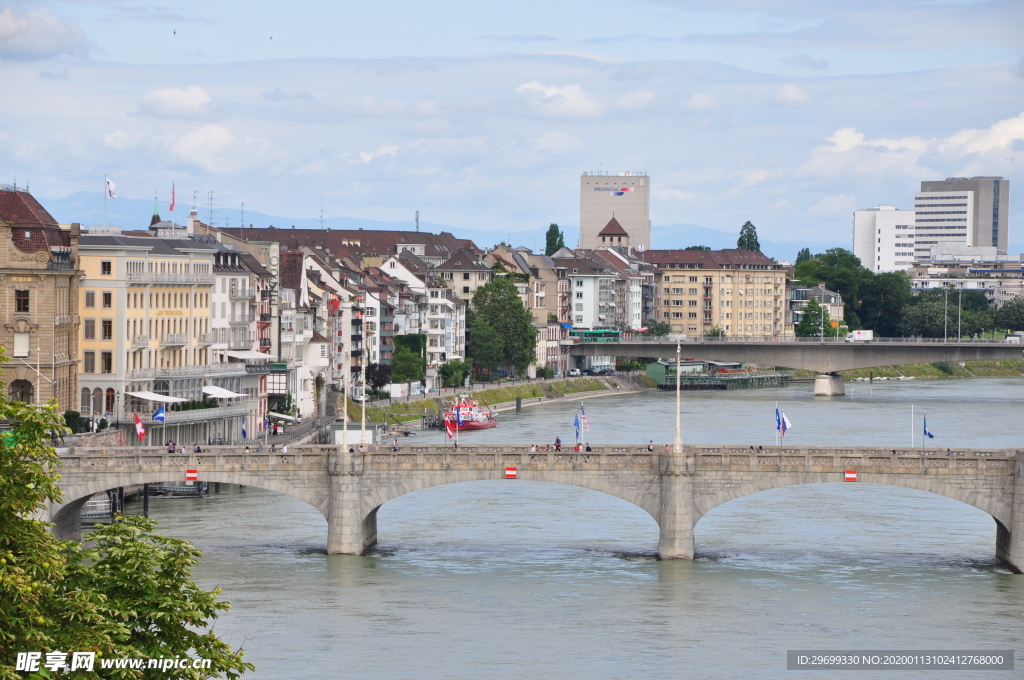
{"x": 133, "y": 213}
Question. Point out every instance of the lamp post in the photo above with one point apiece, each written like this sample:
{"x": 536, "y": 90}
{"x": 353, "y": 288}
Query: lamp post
{"x": 959, "y": 313}
{"x": 344, "y": 400}
{"x": 945, "y": 315}
{"x": 678, "y": 447}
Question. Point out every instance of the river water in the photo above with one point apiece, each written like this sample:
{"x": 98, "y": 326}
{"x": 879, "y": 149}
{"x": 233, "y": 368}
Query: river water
{"x": 515, "y": 579}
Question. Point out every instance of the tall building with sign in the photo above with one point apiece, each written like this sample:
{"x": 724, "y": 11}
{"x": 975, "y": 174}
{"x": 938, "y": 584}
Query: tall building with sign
{"x": 38, "y": 301}
{"x": 626, "y": 197}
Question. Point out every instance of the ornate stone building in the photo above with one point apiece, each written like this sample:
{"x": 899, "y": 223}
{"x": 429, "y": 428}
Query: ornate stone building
{"x": 38, "y": 302}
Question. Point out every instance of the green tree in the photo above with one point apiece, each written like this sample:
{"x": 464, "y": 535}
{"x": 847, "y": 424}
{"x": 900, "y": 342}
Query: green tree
{"x": 883, "y": 297}
{"x": 815, "y": 322}
{"x": 697, "y": 248}
{"x": 748, "y": 238}
{"x": 657, "y": 329}
{"x": 803, "y": 256}
{"x": 73, "y": 420}
{"x": 554, "y": 240}
{"x": 130, "y": 595}
{"x": 841, "y": 272}
{"x": 498, "y": 305}
{"x": 406, "y": 366}
{"x": 714, "y": 332}
{"x": 454, "y": 373}
{"x": 485, "y": 346}
{"x": 1011, "y": 315}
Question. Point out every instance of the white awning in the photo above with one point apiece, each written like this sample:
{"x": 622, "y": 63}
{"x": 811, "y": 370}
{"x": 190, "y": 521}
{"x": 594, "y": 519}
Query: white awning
{"x": 279, "y": 415}
{"x": 249, "y": 354}
{"x": 220, "y": 392}
{"x": 153, "y": 396}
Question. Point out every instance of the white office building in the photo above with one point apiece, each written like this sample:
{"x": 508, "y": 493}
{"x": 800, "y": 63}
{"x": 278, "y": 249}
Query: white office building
{"x": 884, "y": 238}
{"x": 974, "y": 210}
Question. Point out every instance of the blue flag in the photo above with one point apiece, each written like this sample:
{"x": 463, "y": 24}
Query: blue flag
{"x": 244, "y": 435}
{"x": 576, "y": 424}
{"x": 926, "y": 432}
{"x": 159, "y": 415}
{"x": 778, "y": 420}
{"x": 458, "y": 417}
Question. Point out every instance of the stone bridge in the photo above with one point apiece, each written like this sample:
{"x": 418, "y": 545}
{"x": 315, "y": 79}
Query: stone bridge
{"x": 824, "y": 357}
{"x": 675, "y": 489}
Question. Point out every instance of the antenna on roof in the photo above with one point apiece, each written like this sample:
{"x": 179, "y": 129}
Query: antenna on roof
{"x": 241, "y": 223}
{"x": 417, "y": 220}
{"x": 321, "y": 212}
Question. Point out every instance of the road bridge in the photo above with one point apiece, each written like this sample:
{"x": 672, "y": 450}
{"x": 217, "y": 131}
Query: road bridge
{"x": 676, "y": 489}
{"x": 826, "y": 357}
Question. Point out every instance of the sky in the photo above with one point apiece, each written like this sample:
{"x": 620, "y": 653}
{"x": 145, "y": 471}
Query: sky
{"x": 482, "y": 116}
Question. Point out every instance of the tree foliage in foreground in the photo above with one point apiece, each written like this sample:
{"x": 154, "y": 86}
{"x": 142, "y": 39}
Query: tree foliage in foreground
{"x": 1010, "y": 316}
{"x": 128, "y": 595}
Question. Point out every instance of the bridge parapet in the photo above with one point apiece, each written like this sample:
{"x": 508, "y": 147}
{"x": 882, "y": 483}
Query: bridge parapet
{"x": 496, "y": 456}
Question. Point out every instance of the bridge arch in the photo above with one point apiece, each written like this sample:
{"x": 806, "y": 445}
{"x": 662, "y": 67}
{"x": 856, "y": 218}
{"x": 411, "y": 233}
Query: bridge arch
{"x": 66, "y": 516}
{"x": 997, "y": 505}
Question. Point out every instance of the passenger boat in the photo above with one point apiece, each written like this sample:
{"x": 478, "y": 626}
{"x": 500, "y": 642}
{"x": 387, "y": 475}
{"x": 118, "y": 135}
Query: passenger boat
{"x": 470, "y": 416}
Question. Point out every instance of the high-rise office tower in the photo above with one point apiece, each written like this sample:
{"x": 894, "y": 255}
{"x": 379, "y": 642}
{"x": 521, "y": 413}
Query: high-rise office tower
{"x": 968, "y": 210}
{"x": 883, "y": 238}
{"x": 626, "y": 197}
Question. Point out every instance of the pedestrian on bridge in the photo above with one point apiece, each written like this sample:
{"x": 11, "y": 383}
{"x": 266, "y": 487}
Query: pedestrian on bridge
{"x": 558, "y": 443}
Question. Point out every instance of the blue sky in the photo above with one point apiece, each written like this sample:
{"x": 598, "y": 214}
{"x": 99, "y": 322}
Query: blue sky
{"x": 483, "y": 115}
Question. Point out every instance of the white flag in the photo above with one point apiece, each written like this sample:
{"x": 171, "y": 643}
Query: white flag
{"x": 110, "y": 189}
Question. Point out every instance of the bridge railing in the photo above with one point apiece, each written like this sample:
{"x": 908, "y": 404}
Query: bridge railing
{"x": 814, "y": 340}
{"x": 170, "y": 466}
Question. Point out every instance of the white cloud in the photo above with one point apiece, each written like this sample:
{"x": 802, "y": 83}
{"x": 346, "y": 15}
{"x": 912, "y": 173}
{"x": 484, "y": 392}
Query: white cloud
{"x": 558, "y": 142}
{"x": 190, "y": 103}
{"x": 839, "y": 204}
{"x": 120, "y": 140}
{"x": 701, "y": 102}
{"x": 999, "y": 137}
{"x": 569, "y": 101}
{"x": 208, "y": 148}
{"x": 38, "y": 34}
{"x": 634, "y": 99}
{"x": 382, "y": 150}
{"x": 791, "y": 93}
{"x": 806, "y": 61}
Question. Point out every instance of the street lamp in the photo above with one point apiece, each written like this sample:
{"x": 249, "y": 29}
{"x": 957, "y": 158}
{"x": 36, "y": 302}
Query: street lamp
{"x": 678, "y": 447}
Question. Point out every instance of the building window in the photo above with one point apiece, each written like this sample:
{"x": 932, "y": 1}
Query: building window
{"x": 108, "y": 300}
{"x": 90, "y": 329}
{"x": 108, "y": 401}
{"x": 579, "y": 295}
{"x": 89, "y": 362}
{"x": 20, "y": 390}
{"x": 693, "y": 279}
{"x": 106, "y": 269}
{"x": 692, "y": 315}
{"x": 106, "y": 362}
{"x": 465, "y": 276}
{"x": 691, "y": 303}
{"x": 677, "y": 315}
{"x": 90, "y": 299}
{"x": 666, "y": 315}
{"x": 108, "y": 329}
{"x": 21, "y": 301}
{"x": 465, "y": 289}
{"x": 21, "y": 342}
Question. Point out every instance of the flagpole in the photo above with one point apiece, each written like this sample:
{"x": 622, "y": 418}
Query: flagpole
{"x": 777, "y": 426}
{"x": 678, "y": 447}
{"x": 911, "y": 426}
{"x": 105, "y": 200}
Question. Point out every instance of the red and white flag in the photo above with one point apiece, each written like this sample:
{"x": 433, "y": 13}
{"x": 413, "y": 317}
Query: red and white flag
{"x": 448, "y": 427}
{"x": 140, "y": 429}
{"x": 510, "y": 473}
{"x": 172, "y": 196}
{"x": 191, "y": 475}
{"x": 851, "y": 476}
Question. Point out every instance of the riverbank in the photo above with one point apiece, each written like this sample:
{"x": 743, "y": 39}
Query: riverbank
{"x": 503, "y": 398}
{"x": 1007, "y": 368}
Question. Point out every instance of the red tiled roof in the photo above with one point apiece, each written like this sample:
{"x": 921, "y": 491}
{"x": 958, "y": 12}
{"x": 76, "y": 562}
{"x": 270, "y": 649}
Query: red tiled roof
{"x": 730, "y": 258}
{"x": 613, "y": 228}
{"x": 33, "y": 229}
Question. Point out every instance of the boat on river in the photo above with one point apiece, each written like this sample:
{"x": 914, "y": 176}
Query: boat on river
{"x": 465, "y": 414}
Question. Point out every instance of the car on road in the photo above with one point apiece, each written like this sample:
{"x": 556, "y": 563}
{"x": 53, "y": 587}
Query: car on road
{"x": 574, "y": 372}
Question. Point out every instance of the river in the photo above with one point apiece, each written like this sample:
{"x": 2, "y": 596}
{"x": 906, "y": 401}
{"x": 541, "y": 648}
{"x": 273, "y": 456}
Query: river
{"x": 515, "y": 579}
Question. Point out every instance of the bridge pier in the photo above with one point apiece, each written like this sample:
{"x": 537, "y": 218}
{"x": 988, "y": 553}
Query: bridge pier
{"x": 348, "y": 531}
{"x": 829, "y": 385}
{"x": 675, "y": 523}
{"x": 1010, "y": 540}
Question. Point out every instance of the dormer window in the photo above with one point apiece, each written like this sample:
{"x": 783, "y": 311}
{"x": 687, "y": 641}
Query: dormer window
{"x": 28, "y": 234}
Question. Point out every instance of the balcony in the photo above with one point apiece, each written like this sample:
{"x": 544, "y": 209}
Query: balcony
{"x": 257, "y": 369}
{"x": 241, "y": 319}
{"x": 242, "y": 343}
{"x": 265, "y": 317}
{"x": 266, "y": 342}
{"x": 174, "y": 340}
{"x": 242, "y": 294}
{"x": 264, "y": 294}
{"x": 356, "y": 353}
{"x": 337, "y": 375}
{"x": 140, "y": 341}
{"x": 179, "y": 279}
{"x": 356, "y": 338}
{"x": 240, "y": 409}
{"x": 207, "y": 338}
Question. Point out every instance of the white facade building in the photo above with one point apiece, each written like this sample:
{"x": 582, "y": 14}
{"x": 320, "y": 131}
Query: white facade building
{"x": 884, "y": 238}
{"x": 626, "y": 197}
{"x": 942, "y": 218}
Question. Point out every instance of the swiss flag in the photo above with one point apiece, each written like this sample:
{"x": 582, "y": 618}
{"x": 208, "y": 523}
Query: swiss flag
{"x": 140, "y": 429}
{"x": 448, "y": 427}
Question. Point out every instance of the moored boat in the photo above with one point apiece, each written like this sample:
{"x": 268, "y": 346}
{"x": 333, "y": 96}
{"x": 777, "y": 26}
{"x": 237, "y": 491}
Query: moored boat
{"x": 465, "y": 414}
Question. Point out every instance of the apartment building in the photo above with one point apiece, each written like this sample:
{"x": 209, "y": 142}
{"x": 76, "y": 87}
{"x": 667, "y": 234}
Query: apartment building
{"x": 739, "y": 292}
{"x": 884, "y": 238}
{"x": 39, "y": 273}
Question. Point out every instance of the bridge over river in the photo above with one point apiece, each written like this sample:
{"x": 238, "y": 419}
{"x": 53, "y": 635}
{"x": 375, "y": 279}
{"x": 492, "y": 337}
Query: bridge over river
{"x": 826, "y": 357}
{"x": 676, "y": 489}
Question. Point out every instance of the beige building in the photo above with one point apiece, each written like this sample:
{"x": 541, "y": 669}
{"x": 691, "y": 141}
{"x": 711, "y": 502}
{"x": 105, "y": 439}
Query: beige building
{"x": 738, "y": 292}
{"x": 39, "y": 309}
